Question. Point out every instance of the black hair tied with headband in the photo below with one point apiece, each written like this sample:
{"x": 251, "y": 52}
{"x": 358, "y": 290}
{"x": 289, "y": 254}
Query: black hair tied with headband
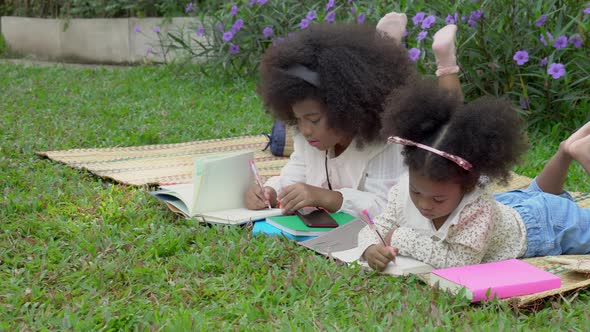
{"x": 304, "y": 73}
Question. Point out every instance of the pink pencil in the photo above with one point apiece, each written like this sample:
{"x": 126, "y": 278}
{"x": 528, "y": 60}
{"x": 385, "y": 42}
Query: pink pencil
{"x": 257, "y": 177}
{"x": 369, "y": 221}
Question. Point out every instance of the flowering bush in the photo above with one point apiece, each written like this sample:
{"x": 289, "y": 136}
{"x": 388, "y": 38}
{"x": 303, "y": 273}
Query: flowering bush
{"x": 91, "y": 9}
{"x": 536, "y": 52}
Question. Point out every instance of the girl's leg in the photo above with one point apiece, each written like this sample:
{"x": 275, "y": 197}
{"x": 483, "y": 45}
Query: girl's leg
{"x": 577, "y": 146}
{"x": 446, "y": 59}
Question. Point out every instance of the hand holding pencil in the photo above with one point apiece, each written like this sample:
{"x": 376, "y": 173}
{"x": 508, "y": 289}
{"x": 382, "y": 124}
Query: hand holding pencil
{"x": 259, "y": 182}
{"x": 378, "y": 256}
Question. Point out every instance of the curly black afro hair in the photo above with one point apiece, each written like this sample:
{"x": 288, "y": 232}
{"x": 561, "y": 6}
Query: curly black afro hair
{"x": 356, "y": 66}
{"x": 487, "y": 132}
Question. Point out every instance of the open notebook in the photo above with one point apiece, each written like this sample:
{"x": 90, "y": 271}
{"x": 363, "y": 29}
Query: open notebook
{"x": 216, "y": 194}
{"x": 341, "y": 243}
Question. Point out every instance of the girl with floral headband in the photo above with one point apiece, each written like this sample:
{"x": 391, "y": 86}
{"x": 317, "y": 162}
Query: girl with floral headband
{"x": 330, "y": 81}
{"x": 442, "y": 212}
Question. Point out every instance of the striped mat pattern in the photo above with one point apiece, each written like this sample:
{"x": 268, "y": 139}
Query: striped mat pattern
{"x": 166, "y": 164}
{"x": 163, "y": 164}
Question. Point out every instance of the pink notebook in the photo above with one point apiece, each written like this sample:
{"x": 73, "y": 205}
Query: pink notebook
{"x": 501, "y": 279}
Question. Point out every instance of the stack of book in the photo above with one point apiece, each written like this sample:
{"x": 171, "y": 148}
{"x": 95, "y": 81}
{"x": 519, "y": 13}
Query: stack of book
{"x": 293, "y": 227}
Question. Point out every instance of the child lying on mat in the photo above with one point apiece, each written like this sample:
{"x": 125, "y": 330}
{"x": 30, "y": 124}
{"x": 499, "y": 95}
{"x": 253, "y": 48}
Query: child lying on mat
{"x": 330, "y": 81}
{"x": 442, "y": 213}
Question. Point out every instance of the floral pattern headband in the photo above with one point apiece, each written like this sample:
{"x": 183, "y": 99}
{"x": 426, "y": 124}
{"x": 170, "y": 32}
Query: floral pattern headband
{"x": 456, "y": 159}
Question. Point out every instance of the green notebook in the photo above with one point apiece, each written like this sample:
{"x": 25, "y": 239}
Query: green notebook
{"x": 295, "y": 226}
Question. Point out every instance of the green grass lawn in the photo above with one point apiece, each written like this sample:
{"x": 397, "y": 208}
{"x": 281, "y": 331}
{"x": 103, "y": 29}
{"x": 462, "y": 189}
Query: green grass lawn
{"x": 80, "y": 253}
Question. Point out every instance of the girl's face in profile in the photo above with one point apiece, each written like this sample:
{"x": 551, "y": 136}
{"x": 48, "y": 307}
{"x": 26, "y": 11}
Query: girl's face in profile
{"x": 434, "y": 199}
{"x": 312, "y": 122}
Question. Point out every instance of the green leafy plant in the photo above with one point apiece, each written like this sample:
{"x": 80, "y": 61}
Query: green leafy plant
{"x": 499, "y": 42}
{"x": 93, "y": 9}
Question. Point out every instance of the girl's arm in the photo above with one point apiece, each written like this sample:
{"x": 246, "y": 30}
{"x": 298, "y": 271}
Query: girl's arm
{"x": 385, "y": 222}
{"x": 466, "y": 242}
{"x": 381, "y": 174}
{"x": 294, "y": 171}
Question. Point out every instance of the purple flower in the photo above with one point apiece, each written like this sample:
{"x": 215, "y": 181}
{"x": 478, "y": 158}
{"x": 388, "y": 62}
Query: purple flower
{"x": 418, "y": 18}
{"x": 137, "y": 29}
{"x": 475, "y": 16}
{"x": 189, "y": 7}
{"x": 361, "y": 18}
{"x": 414, "y": 54}
{"x": 576, "y": 40}
{"x": 451, "y": 19}
{"x": 329, "y": 5}
{"x": 349, "y": 1}
{"x": 234, "y": 49}
{"x": 405, "y": 34}
{"x": 542, "y": 39}
{"x": 556, "y": 70}
{"x": 260, "y": 2}
{"x": 148, "y": 52}
{"x": 304, "y": 23}
{"x": 238, "y": 24}
{"x": 422, "y": 35}
{"x": 542, "y": 19}
{"x": 233, "y": 11}
{"x": 428, "y": 22}
{"x": 267, "y": 32}
{"x": 521, "y": 57}
{"x": 252, "y": 2}
{"x": 227, "y": 36}
{"x": 543, "y": 61}
{"x": 310, "y": 15}
{"x": 353, "y": 10}
{"x": 157, "y": 29}
{"x": 560, "y": 42}
{"x": 219, "y": 27}
{"x": 200, "y": 31}
{"x": 330, "y": 17}
{"x": 463, "y": 18}
{"x": 587, "y": 11}
{"x": 524, "y": 102}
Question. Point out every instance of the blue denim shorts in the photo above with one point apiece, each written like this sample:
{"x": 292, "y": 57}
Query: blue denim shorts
{"x": 555, "y": 224}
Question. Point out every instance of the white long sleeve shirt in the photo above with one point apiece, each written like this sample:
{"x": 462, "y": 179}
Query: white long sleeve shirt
{"x": 363, "y": 176}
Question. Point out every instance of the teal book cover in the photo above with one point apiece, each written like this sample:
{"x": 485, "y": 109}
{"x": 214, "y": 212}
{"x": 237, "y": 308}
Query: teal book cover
{"x": 295, "y": 226}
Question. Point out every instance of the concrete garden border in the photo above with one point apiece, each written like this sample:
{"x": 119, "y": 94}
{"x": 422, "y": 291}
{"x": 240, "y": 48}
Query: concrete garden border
{"x": 97, "y": 40}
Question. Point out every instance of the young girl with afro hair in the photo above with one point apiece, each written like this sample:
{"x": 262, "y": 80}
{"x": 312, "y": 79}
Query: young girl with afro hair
{"x": 330, "y": 81}
{"x": 441, "y": 212}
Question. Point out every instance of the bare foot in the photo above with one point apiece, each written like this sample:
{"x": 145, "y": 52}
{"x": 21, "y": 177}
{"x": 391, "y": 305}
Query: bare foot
{"x": 443, "y": 47}
{"x": 577, "y": 146}
{"x": 393, "y": 25}
{"x": 580, "y": 151}
{"x": 578, "y": 134}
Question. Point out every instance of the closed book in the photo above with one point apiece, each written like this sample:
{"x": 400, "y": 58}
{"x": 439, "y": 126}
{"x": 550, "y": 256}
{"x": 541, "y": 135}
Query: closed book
{"x": 295, "y": 226}
{"x": 500, "y": 279}
{"x": 262, "y": 227}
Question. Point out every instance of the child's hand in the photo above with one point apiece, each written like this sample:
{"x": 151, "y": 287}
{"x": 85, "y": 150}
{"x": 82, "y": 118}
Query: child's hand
{"x": 299, "y": 195}
{"x": 378, "y": 256}
{"x": 256, "y": 199}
